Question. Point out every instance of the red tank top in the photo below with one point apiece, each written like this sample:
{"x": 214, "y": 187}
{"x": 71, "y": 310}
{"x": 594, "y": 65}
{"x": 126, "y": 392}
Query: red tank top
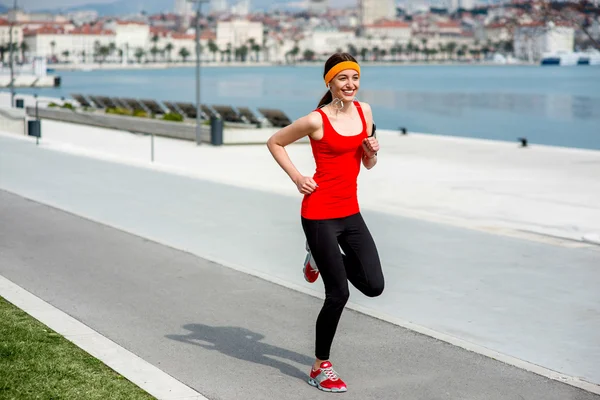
{"x": 337, "y": 158}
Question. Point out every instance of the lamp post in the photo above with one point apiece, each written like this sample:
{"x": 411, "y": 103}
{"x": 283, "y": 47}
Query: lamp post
{"x": 11, "y": 45}
{"x": 198, "y": 111}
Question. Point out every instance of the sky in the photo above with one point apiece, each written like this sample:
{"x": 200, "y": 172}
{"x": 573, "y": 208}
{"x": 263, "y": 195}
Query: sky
{"x": 31, "y": 5}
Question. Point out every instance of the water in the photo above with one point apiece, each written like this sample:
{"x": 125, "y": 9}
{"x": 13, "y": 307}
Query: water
{"x": 549, "y": 105}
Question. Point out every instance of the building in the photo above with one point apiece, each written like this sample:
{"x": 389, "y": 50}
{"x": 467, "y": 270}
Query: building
{"x": 238, "y": 32}
{"x": 400, "y": 32}
{"x": 17, "y": 33}
{"x": 326, "y": 41}
{"x": 78, "y": 45}
{"x": 130, "y": 36}
{"x": 532, "y": 40}
{"x": 375, "y": 10}
{"x": 497, "y": 32}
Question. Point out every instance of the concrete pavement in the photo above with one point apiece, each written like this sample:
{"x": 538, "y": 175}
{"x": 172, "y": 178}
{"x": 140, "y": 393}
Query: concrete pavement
{"x": 227, "y": 334}
{"x": 507, "y": 295}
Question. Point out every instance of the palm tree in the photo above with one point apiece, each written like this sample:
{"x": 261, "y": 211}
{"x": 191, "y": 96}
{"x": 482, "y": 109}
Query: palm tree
{"x": 139, "y": 53}
{"x": 24, "y": 49}
{"x": 112, "y": 47}
{"x": 376, "y": 53}
{"x": 154, "y": 51}
{"x": 399, "y": 50}
{"x": 184, "y": 53}
{"x": 244, "y": 52}
{"x": 213, "y": 48}
{"x": 451, "y": 48}
{"x": 442, "y": 48}
{"x": 255, "y": 48}
{"x": 65, "y": 54}
{"x": 103, "y": 52}
{"x": 294, "y": 52}
{"x": 309, "y": 55}
{"x": 352, "y": 50}
{"x": 463, "y": 50}
{"x": 363, "y": 53}
{"x": 96, "y": 50}
{"x": 228, "y": 52}
{"x": 410, "y": 48}
{"x": 169, "y": 49}
{"x": 53, "y": 45}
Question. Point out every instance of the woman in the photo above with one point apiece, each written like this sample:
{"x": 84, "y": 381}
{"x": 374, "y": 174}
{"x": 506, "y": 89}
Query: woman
{"x": 340, "y": 132}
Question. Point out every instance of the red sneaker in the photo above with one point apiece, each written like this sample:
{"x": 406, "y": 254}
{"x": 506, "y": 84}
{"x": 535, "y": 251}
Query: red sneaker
{"x": 326, "y": 379}
{"x": 310, "y": 270}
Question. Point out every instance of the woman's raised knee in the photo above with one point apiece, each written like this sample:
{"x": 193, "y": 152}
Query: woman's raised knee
{"x": 375, "y": 289}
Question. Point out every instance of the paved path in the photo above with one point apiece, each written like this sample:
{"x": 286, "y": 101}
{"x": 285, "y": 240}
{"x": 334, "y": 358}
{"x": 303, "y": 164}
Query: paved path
{"x": 532, "y": 301}
{"x": 225, "y": 333}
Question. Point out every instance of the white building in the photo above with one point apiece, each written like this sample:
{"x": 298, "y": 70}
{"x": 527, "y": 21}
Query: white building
{"x": 17, "y": 33}
{"x": 238, "y": 32}
{"x": 531, "y": 41}
{"x": 400, "y": 32}
{"x": 375, "y": 10}
{"x": 130, "y": 36}
{"x": 78, "y": 45}
{"x": 326, "y": 41}
{"x": 497, "y": 32}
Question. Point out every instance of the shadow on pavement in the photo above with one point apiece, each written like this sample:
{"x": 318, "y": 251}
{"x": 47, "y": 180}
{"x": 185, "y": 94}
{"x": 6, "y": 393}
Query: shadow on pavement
{"x": 245, "y": 345}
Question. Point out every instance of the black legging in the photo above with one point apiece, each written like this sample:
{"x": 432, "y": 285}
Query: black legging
{"x": 359, "y": 264}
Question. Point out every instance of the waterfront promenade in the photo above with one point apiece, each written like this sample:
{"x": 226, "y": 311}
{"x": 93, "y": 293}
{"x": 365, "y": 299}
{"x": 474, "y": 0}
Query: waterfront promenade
{"x": 459, "y": 265}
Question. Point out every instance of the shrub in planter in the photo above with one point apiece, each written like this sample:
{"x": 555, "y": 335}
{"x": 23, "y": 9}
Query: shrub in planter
{"x": 172, "y": 117}
{"x": 67, "y": 105}
{"x": 117, "y": 111}
{"x": 140, "y": 113}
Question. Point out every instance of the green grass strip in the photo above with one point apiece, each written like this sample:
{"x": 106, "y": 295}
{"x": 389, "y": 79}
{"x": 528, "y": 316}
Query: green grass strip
{"x": 38, "y": 363}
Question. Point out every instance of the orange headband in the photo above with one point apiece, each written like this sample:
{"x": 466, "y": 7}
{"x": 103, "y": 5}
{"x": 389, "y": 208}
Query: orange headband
{"x": 339, "y": 68}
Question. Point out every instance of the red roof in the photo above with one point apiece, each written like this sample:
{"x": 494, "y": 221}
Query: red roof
{"x": 44, "y": 30}
{"x": 496, "y": 25}
{"x": 389, "y": 24}
{"x": 183, "y": 36}
{"x": 121, "y": 22}
{"x": 449, "y": 24}
{"x": 159, "y": 31}
{"x": 208, "y": 35}
{"x": 532, "y": 25}
{"x": 90, "y": 30}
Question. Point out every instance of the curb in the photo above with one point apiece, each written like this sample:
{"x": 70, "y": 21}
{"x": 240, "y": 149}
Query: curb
{"x": 143, "y": 374}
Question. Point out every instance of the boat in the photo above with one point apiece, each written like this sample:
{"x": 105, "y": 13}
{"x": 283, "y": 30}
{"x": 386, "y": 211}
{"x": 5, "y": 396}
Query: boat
{"x": 590, "y": 57}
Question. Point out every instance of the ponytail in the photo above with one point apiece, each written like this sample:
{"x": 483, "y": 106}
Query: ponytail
{"x": 328, "y": 98}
